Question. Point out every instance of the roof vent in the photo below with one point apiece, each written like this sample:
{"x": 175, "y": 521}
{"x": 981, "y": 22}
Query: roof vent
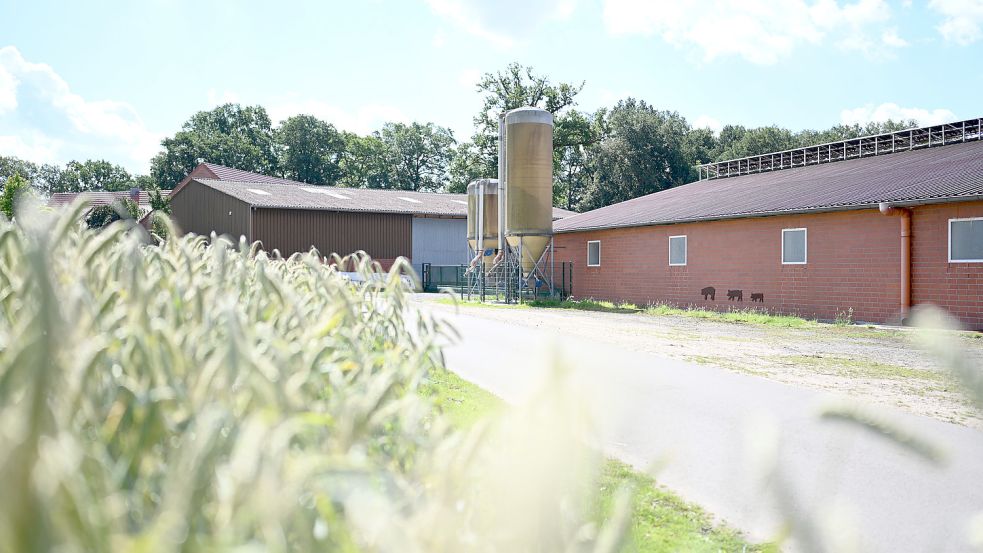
{"x": 462, "y": 202}
{"x": 411, "y": 200}
{"x": 853, "y": 148}
{"x": 258, "y": 191}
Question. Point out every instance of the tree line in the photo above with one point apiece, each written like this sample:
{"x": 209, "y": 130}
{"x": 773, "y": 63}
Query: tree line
{"x": 613, "y": 154}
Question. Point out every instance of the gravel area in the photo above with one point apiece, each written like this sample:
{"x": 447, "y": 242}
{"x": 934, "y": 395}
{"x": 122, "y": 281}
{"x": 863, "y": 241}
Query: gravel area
{"x": 881, "y": 365}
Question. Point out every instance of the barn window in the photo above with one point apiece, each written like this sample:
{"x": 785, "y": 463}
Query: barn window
{"x": 677, "y": 250}
{"x": 594, "y": 253}
{"x": 794, "y": 246}
{"x": 966, "y": 240}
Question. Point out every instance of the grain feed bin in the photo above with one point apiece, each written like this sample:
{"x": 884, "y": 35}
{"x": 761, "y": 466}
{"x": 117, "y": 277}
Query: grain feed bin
{"x": 529, "y": 183}
{"x": 483, "y": 218}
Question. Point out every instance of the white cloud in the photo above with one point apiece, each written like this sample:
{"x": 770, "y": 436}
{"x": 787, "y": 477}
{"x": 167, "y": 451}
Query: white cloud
{"x": 116, "y": 125}
{"x": 707, "y": 122}
{"x": 760, "y": 31}
{"x": 8, "y": 90}
{"x": 963, "y": 19}
{"x": 883, "y": 112}
{"x": 39, "y": 148}
{"x": 502, "y": 23}
{"x": 362, "y": 120}
{"x": 890, "y": 38}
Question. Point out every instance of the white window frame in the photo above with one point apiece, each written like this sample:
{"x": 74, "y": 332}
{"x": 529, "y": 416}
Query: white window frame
{"x": 685, "y": 251}
{"x": 951, "y": 260}
{"x": 805, "y": 246}
{"x": 598, "y": 242}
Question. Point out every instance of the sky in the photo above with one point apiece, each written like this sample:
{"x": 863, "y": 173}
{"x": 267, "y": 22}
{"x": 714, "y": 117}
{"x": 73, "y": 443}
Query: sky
{"x": 109, "y": 79}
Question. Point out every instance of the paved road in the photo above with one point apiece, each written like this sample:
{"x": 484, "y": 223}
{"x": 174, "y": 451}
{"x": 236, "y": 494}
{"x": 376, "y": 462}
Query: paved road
{"x": 700, "y": 425}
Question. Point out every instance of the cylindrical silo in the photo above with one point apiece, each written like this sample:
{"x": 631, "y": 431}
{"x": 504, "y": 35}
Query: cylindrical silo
{"x": 489, "y": 220}
{"x": 483, "y": 219}
{"x": 529, "y": 183}
{"x": 473, "y": 215}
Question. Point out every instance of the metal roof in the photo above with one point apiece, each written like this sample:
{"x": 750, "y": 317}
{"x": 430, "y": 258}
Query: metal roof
{"x": 222, "y": 172}
{"x": 932, "y": 175}
{"x": 99, "y": 198}
{"x": 331, "y": 198}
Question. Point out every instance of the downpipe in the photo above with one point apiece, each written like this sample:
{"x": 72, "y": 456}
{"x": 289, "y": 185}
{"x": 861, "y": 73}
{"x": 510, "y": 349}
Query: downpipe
{"x": 905, "y": 215}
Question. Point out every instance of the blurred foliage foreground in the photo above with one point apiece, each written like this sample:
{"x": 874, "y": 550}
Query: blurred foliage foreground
{"x": 196, "y": 397}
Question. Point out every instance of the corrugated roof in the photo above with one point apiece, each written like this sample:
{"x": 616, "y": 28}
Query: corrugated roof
{"x": 99, "y": 198}
{"x": 945, "y": 173}
{"x": 222, "y": 172}
{"x": 330, "y": 198}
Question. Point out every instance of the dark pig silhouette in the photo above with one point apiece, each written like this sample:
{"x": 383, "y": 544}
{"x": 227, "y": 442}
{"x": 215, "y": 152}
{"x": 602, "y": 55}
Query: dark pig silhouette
{"x": 735, "y": 295}
{"x": 709, "y": 293}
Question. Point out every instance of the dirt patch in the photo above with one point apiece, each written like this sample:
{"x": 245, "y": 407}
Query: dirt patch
{"x": 879, "y": 365}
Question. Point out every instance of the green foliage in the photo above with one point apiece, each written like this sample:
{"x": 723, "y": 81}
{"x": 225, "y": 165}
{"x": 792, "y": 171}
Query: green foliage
{"x": 159, "y": 202}
{"x": 43, "y": 178}
{"x": 103, "y": 215}
{"x": 231, "y": 135}
{"x": 311, "y": 150}
{"x": 93, "y": 175}
{"x": 13, "y": 189}
{"x": 195, "y": 397}
{"x": 642, "y": 152}
{"x": 415, "y": 156}
{"x": 363, "y": 162}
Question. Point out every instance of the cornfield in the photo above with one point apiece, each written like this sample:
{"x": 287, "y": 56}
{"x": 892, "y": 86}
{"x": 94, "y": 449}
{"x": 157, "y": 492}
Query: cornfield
{"x": 201, "y": 395}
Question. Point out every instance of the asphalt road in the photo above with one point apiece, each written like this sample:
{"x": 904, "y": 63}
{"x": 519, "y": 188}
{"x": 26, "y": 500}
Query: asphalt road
{"x": 710, "y": 432}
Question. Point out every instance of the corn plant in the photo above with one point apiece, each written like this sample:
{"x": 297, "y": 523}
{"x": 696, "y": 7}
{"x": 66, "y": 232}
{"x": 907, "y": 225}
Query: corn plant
{"x": 204, "y": 395}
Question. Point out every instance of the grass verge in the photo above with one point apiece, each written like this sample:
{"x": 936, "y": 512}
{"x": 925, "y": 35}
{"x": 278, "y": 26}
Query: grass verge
{"x": 748, "y": 315}
{"x": 661, "y": 520}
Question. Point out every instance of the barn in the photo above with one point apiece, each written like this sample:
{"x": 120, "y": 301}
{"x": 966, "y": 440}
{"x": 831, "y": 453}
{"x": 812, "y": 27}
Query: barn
{"x": 290, "y": 216}
{"x": 868, "y": 227}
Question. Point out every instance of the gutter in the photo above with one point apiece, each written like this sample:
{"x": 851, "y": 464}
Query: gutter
{"x": 890, "y": 210}
{"x": 754, "y": 215}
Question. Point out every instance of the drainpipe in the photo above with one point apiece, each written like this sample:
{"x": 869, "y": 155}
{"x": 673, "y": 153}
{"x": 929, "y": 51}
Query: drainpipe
{"x": 905, "y": 214}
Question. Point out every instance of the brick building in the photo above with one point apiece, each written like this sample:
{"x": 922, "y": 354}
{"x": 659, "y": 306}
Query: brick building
{"x": 872, "y": 225}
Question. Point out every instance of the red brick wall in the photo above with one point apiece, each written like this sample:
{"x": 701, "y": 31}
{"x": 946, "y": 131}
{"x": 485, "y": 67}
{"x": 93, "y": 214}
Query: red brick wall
{"x": 854, "y": 261}
{"x": 957, "y": 287}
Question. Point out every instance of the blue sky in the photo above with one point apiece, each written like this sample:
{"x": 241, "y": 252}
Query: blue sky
{"x": 109, "y": 79}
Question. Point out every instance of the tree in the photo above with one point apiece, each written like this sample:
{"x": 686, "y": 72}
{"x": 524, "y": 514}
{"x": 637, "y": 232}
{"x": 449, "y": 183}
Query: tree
{"x": 643, "y": 152}
{"x": 513, "y": 88}
{"x": 43, "y": 178}
{"x": 14, "y": 188}
{"x": 93, "y": 175}
{"x": 416, "y": 156}
{"x": 574, "y": 141}
{"x": 103, "y": 215}
{"x": 362, "y": 162}
{"x": 158, "y": 202}
{"x": 231, "y": 135}
{"x": 466, "y": 166}
{"x": 311, "y": 150}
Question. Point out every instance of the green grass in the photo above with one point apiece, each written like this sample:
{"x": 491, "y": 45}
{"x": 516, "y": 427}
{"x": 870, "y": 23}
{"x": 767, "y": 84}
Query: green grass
{"x": 849, "y": 367}
{"x": 661, "y": 520}
{"x": 748, "y": 315}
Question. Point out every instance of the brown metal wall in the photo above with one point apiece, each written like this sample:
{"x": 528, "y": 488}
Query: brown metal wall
{"x": 381, "y": 235}
{"x": 202, "y": 210}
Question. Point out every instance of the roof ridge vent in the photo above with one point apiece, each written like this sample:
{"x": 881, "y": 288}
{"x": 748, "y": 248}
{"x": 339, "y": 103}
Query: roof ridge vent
{"x": 853, "y": 148}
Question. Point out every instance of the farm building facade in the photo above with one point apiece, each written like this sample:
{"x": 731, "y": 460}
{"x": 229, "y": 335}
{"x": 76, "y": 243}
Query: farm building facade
{"x": 808, "y": 232}
{"x": 290, "y": 216}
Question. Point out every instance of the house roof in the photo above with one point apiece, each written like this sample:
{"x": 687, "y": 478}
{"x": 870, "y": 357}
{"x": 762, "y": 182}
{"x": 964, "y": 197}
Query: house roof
{"x": 330, "y": 198}
{"x": 221, "y": 172}
{"x": 931, "y": 175}
{"x": 99, "y": 198}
